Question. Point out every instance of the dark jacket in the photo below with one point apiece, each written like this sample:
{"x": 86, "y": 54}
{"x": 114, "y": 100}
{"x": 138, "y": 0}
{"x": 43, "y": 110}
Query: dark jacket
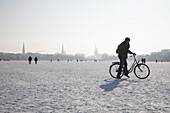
{"x": 30, "y": 58}
{"x": 35, "y": 59}
{"x": 123, "y": 50}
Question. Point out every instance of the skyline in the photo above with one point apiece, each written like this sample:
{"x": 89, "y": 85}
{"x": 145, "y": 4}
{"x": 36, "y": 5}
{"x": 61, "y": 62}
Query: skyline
{"x": 63, "y": 52}
{"x": 163, "y": 56}
{"x": 81, "y": 25}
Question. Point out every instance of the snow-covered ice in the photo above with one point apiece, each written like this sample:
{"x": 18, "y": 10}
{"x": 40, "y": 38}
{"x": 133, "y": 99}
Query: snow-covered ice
{"x": 81, "y": 87}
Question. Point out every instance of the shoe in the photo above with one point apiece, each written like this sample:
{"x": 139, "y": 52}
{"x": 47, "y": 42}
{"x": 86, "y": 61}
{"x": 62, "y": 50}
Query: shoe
{"x": 118, "y": 77}
{"x": 127, "y": 75}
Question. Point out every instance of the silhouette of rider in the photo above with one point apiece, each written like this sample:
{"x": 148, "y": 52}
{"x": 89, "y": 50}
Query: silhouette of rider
{"x": 122, "y": 51}
{"x": 29, "y": 59}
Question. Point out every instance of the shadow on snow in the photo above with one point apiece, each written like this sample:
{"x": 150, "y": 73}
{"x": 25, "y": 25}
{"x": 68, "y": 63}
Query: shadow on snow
{"x": 111, "y": 84}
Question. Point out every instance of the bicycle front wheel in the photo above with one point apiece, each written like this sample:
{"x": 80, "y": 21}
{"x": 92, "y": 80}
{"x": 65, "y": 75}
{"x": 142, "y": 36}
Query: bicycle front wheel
{"x": 141, "y": 71}
{"x": 114, "y": 69}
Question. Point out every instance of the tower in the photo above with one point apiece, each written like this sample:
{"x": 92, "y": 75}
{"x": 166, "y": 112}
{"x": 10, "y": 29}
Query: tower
{"x": 95, "y": 52}
{"x": 62, "y": 50}
{"x": 23, "y": 49}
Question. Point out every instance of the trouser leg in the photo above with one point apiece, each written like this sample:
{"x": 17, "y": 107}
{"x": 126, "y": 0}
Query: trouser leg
{"x": 120, "y": 67}
{"x": 125, "y": 66}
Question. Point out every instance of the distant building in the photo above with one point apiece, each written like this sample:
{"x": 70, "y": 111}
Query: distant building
{"x": 62, "y": 50}
{"x": 96, "y": 52}
{"x": 163, "y": 55}
{"x": 165, "y": 51}
{"x": 23, "y": 49}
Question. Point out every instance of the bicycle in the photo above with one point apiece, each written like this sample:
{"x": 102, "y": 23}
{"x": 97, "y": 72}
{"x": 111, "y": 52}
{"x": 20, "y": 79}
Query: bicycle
{"x": 140, "y": 70}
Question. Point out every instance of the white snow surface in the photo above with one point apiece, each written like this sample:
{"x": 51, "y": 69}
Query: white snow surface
{"x": 81, "y": 87}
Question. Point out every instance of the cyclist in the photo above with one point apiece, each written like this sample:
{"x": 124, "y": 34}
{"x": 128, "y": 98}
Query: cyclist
{"x": 122, "y": 51}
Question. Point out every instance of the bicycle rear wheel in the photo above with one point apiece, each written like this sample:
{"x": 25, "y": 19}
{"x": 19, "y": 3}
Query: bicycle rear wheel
{"x": 114, "y": 69}
{"x": 141, "y": 71}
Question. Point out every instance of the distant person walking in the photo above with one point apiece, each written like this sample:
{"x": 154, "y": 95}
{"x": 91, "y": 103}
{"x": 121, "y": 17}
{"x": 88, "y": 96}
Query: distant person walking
{"x": 35, "y": 59}
{"x": 156, "y": 61}
{"x": 29, "y": 59}
{"x": 122, "y": 51}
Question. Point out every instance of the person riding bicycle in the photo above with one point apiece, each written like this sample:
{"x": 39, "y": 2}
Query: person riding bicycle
{"x": 122, "y": 51}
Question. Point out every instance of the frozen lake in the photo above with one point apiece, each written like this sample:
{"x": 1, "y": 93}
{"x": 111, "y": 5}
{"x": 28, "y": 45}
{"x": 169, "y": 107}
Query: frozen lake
{"x": 81, "y": 87}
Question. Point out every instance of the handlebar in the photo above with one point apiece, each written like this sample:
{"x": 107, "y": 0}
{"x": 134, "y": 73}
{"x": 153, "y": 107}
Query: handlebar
{"x": 134, "y": 57}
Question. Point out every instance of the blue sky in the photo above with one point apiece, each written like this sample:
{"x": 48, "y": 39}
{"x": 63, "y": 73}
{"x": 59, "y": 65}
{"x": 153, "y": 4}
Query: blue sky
{"x": 83, "y": 24}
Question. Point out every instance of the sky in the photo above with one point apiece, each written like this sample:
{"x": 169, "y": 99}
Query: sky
{"x": 80, "y": 25}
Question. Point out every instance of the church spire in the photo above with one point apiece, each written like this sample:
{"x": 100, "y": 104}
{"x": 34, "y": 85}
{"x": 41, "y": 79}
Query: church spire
{"x": 62, "y": 51}
{"x": 95, "y": 52}
{"x": 23, "y": 49}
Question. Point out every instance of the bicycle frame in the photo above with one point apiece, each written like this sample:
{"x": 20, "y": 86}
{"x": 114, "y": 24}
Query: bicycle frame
{"x": 133, "y": 65}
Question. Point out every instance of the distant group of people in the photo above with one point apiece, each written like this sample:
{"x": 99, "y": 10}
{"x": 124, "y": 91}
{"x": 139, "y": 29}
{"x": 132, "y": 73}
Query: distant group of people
{"x": 30, "y": 59}
{"x": 143, "y": 60}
